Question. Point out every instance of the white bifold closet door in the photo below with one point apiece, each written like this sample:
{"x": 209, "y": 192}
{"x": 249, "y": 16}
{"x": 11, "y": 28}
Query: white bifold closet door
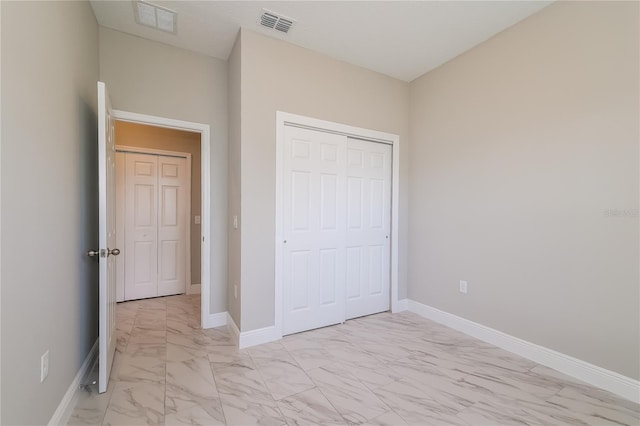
{"x": 155, "y": 225}
{"x": 337, "y": 203}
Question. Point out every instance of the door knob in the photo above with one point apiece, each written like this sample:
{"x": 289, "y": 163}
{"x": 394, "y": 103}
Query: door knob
{"x": 103, "y": 253}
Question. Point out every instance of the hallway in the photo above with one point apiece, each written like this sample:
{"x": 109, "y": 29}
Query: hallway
{"x": 378, "y": 370}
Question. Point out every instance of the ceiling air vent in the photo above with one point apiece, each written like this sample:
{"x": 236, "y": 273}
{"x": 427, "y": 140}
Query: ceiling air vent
{"x": 154, "y": 16}
{"x": 275, "y": 21}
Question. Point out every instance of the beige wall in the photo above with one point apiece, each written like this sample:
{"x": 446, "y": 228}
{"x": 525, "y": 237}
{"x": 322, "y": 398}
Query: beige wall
{"x": 519, "y": 147}
{"x": 276, "y": 75}
{"x": 152, "y": 78}
{"x": 234, "y": 181}
{"x": 49, "y": 201}
{"x": 142, "y": 136}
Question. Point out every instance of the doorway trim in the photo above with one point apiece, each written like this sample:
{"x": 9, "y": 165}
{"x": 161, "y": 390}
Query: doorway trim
{"x": 283, "y": 119}
{"x": 189, "y": 287}
{"x": 205, "y": 176}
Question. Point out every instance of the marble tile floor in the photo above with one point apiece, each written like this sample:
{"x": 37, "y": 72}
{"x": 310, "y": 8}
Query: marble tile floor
{"x": 382, "y": 369}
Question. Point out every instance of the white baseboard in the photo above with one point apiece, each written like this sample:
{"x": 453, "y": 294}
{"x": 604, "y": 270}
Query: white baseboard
{"x": 70, "y": 398}
{"x": 215, "y": 320}
{"x": 247, "y": 339}
{"x": 258, "y": 337}
{"x": 611, "y": 381}
{"x": 244, "y": 339}
{"x": 194, "y": 289}
{"x": 233, "y": 328}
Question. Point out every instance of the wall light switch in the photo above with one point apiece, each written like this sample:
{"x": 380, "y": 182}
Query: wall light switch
{"x": 463, "y": 287}
{"x": 235, "y": 222}
{"x": 196, "y": 220}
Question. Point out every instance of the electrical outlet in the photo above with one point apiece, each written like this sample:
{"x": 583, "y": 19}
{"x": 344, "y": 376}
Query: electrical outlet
{"x": 44, "y": 366}
{"x": 235, "y": 290}
{"x": 463, "y": 287}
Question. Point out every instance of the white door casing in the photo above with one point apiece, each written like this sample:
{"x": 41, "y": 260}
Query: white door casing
{"x": 368, "y": 227}
{"x": 314, "y": 238}
{"x": 156, "y": 215}
{"x": 205, "y": 179}
{"x": 107, "y": 237}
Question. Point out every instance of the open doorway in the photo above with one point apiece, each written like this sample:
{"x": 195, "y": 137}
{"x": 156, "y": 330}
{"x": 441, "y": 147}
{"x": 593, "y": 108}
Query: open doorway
{"x": 158, "y": 211}
{"x": 161, "y": 136}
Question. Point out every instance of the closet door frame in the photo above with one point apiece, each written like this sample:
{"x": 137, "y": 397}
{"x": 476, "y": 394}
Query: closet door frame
{"x": 120, "y": 227}
{"x": 287, "y": 119}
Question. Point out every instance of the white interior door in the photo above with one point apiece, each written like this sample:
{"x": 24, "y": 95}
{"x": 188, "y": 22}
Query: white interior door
{"x": 107, "y": 237}
{"x": 314, "y": 229}
{"x": 141, "y": 226}
{"x": 368, "y": 227}
{"x": 172, "y": 220}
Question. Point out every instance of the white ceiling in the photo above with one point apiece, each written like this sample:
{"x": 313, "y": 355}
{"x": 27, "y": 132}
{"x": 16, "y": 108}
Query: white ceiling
{"x": 402, "y": 39}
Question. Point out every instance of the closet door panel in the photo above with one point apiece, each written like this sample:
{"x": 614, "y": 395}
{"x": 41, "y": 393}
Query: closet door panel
{"x": 369, "y": 230}
{"x": 314, "y": 223}
{"x": 141, "y": 226}
{"x": 172, "y": 220}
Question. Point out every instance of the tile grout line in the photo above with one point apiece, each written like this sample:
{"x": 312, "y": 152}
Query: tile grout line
{"x": 329, "y": 400}
{"x": 222, "y": 407}
{"x": 268, "y": 388}
{"x": 213, "y": 374}
{"x": 563, "y": 387}
{"x": 314, "y": 387}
